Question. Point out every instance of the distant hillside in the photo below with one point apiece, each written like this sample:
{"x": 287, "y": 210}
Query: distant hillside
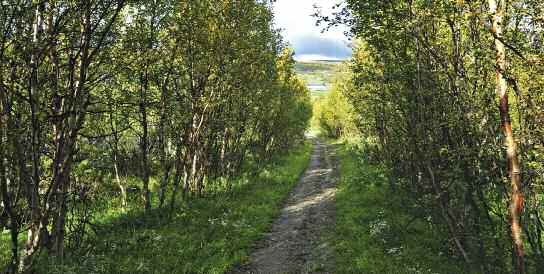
{"x": 317, "y": 74}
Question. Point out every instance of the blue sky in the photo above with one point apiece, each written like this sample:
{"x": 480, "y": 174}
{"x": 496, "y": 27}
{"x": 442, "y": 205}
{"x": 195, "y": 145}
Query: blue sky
{"x": 295, "y": 19}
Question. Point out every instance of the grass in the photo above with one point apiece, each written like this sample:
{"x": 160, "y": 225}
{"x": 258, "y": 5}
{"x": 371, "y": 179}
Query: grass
{"x": 206, "y": 235}
{"x": 5, "y": 247}
{"x": 377, "y": 229}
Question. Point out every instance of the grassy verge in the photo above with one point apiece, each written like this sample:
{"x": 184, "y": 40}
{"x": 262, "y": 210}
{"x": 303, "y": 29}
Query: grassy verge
{"x": 377, "y": 230}
{"x": 205, "y": 235}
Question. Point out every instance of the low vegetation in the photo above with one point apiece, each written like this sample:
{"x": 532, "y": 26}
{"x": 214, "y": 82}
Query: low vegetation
{"x": 206, "y": 235}
{"x": 381, "y": 230}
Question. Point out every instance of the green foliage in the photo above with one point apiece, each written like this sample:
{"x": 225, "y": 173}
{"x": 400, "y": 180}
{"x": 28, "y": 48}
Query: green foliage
{"x": 206, "y": 235}
{"x": 333, "y": 114}
{"x": 379, "y": 230}
{"x": 110, "y": 105}
{"x": 423, "y": 78}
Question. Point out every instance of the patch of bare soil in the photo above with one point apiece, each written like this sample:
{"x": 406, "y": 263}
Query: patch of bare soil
{"x": 296, "y": 242}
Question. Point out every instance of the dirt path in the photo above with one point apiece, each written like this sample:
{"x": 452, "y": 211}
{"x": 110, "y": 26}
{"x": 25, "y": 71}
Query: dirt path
{"x": 295, "y": 243}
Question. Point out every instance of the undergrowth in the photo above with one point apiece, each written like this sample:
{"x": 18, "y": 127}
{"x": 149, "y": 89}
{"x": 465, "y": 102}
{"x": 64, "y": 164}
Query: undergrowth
{"x": 205, "y": 235}
{"x": 378, "y": 229}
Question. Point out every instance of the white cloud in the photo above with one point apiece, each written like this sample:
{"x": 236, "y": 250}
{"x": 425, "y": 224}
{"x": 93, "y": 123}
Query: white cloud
{"x": 295, "y": 19}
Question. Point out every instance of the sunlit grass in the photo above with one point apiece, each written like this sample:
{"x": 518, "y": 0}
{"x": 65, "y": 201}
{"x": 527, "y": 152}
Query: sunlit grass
{"x": 204, "y": 235}
{"x": 377, "y": 230}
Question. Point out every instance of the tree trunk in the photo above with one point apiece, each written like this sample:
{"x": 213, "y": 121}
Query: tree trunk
{"x": 120, "y": 184}
{"x": 451, "y": 223}
{"x": 144, "y": 143}
{"x": 35, "y": 228}
{"x": 8, "y": 206}
{"x": 514, "y": 170}
{"x": 164, "y": 183}
{"x": 179, "y": 168}
{"x": 165, "y": 161}
{"x": 115, "y": 159}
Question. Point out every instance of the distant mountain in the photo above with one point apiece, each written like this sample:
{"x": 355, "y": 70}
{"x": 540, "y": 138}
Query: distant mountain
{"x": 317, "y": 74}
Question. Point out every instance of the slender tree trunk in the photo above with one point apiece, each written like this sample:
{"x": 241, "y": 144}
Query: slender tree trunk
{"x": 119, "y": 183}
{"x": 223, "y": 151}
{"x": 8, "y": 205}
{"x": 59, "y": 134}
{"x": 115, "y": 158}
{"x": 35, "y": 229}
{"x": 144, "y": 143}
{"x": 188, "y": 176}
{"x": 67, "y": 113}
{"x": 451, "y": 223}
{"x": 165, "y": 161}
{"x": 194, "y": 172}
{"x": 164, "y": 183}
{"x": 497, "y": 9}
{"x": 68, "y": 121}
{"x": 179, "y": 169}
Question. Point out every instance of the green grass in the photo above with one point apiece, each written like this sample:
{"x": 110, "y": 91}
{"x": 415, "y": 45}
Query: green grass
{"x": 5, "y": 247}
{"x": 205, "y": 235}
{"x": 377, "y": 230}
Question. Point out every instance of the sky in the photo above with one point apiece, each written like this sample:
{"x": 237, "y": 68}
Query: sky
{"x": 298, "y": 26}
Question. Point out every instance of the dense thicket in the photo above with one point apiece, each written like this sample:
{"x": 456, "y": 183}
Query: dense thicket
{"x": 100, "y": 98}
{"x": 449, "y": 96}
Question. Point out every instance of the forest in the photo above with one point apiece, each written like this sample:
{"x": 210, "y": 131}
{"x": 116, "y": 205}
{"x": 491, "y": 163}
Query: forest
{"x": 102, "y": 99}
{"x": 179, "y": 136}
{"x": 448, "y": 97}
